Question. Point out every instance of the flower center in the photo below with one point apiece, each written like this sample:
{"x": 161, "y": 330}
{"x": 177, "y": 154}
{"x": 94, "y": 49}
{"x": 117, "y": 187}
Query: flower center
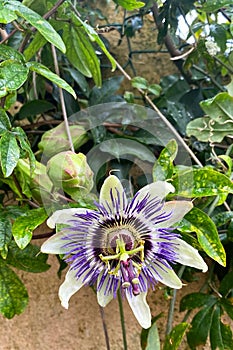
{"x": 124, "y": 248}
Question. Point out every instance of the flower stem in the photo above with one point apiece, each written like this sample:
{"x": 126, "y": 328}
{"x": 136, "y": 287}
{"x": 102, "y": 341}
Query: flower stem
{"x": 104, "y": 328}
{"x": 122, "y": 319}
{"x": 172, "y": 304}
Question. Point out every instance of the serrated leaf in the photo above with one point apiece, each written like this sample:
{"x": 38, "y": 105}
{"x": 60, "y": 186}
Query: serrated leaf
{"x": 81, "y": 53}
{"x": 194, "y": 300}
{"x": 200, "y": 327}
{"x": 5, "y": 235}
{"x": 201, "y": 182}
{"x": 5, "y": 123}
{"x": 45, "y": 72}
{"x": 29, "y": 259}
{"x": 43, "y": 26}
{"x": 130, "y": 4}
{"x": 207, "y": 234}
{"x": 174, "y": 338}
{"x": 13, "y": 294}
{"x": 24, "y": 226}
{"x": 9, "y": 153}
{"x": 226, "y": 285}
{"x": 9, "y": 53}
{"x": 13, "y": 75}
{"x": 216, "y": 339}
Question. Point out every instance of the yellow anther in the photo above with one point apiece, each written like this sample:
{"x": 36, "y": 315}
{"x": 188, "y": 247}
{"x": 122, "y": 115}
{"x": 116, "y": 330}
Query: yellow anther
{"x": 135, "y": 280}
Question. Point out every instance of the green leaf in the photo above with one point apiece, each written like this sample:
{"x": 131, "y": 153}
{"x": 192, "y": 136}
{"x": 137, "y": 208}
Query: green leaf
{"x": 29, "y": 259}
{"x": 25, "y": 146}
{"x": 139, "y": 83}
{"x": 208, "y": 130}
{"x": 155, "y": 89}
{"x": 226, "y": 285}
{"x": 24, "y": 226}
{"x": 198, "y": 221}
{"x": 130, "y": 4}
{"x": 163, "y": 167}
{"x": 95, "y": 38}
{"x": 45, "y": 72}
{"x": 212, "y": 6}
{"x": 13, "y": 75}
{"x": 13, "y": 294}
{"x": 153, "y": 342}
{"x": 81, "y": 53}
{"x": 226, "y": 336}
{"x": 200, "y": 327}
{"x": 228, "y": 160}
{"x": 6, "y": 16}
{"x": 5, "y": 123}
{"x": 9, "y": 153}
{"x": 5, "y": 235}
{"x": 43, "y": 26}
{"x": 174, "y": 338}
{"x": 122, "y": 147}
{"x": 37, "y": 42}
{"x": 194, "y": 300}
{"x": 201, "y": 182}
{"x": 9, "y": 53}
{"x": 34, "y": 107}
{"x": 219, "y": 107}
{"x": 216, "y": 339}
{"x": 227, "y": 306}
{"x": 106, "y": 92}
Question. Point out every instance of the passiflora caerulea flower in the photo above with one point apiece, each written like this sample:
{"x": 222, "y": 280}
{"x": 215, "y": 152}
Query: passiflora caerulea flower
{"x": 126, "y": 245}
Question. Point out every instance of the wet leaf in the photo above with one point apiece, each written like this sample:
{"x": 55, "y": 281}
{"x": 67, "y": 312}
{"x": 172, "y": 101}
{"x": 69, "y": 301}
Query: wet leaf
{"x": 13, "y": 294}
{"x": 9, "y": 153}
{"x": 174, "y": 338}
{"x": 201, "y": 182}
{"x": 5, "y": 235}
{"x": 198, "y": 221}
{"x": 43, "y": 26}
{"x": 24, "y": 226}
{"x": 29, "y": 259}
{"x": 13, "y": 75}
{"x": 5, "y": 123}
{"x": 48, "y": 74}
{"x": 163, "y": 167}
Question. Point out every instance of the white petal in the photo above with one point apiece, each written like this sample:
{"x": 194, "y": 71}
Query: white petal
{"x": 112, "y": 185}
{"x": 69, "y": 287}
{"x": 187, "y": 255}
{"x": 140, "y": 309}
{"x": 178, "y": 209}
{"x": 102, "y": 298}
{"x": 63, "y": 216}
{"x": 159, "y": 189}
{"x": 55, "y": 244}
{"x": 166, "y": 275}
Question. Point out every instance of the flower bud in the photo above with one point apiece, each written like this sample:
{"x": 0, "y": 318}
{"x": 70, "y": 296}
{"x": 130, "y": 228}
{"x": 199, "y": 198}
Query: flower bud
{"x": 70, "y": 171}
{"x": 56, "y": 140}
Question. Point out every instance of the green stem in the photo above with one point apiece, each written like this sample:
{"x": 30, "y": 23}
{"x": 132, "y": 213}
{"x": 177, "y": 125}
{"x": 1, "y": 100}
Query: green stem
{"x": 122, "y": 319}
{"x": 172, "y": 304}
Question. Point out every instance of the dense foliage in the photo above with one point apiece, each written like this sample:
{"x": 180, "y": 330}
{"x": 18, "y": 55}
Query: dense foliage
{"x": 53, "y": 57}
